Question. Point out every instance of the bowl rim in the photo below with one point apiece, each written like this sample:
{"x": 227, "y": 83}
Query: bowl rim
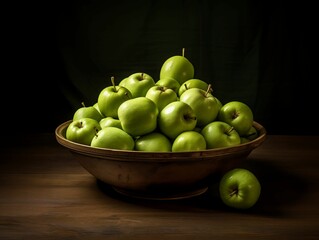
{"x": 133, "y": 155}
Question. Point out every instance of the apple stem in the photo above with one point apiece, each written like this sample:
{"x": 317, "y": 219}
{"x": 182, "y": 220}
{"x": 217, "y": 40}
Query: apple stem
{"x": 82, "y": 103}
{"x": 229, "y": 131}
{"x": 185, "y": 86}
{"x": 113, "y": 82}
{"x": 209, "y": 89}
{"x": 183, "y": 52}
{"x": 235, "y": 191}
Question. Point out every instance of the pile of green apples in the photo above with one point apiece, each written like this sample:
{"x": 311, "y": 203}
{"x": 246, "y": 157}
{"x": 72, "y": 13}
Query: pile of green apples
{"x": 178, "y": 112}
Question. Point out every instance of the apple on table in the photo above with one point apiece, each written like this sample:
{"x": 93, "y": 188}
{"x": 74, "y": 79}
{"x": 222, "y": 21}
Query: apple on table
{"x": 239, "y": 188}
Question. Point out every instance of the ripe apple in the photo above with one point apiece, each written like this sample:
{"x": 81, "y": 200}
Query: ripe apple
{"x": 203, "y": 103}
{"x": 176, "y": 118}
{"x": 138, "y": 116}
{"x": 114, "y": 138}
{"x": 153, "y": 142}
{"x": 82, "y": 130}
{"x": 220, "y": 134}
{"x": 139, "y": 83}
{"x": 169, "y": 83}
{"x": 161, "y": 96}
{"x": 192, "y": 83}
{"x": 87, "y": 112}
{"x": 110, "y": 122}
{"x": 111, "y": 97}
{"x": 177, "y": 67}
{"x": 189, "y": 141}
{"x": 237, "y": 114}
{"x": 239, "y": 188}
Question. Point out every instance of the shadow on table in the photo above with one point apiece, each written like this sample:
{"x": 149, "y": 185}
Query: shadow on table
{"x": 279, "y": 189}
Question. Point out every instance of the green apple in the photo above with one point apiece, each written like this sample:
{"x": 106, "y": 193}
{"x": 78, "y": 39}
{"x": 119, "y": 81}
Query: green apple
{"x": 110, "y": 122}
{"x": 189, "y": 141}
{"x": 113, "y": 138}
{"x": 237, "y": 114}
{"x": 169, "y": 83}
{"x": 111, "y": 97}
{"x": 177, "y": 67}
{"x": 220, "y": 134}
{"x": 239, "y": 188}
{"x": 87, "y": 112}
{"x": 161, "y": 96}
{"x": 138, "y": 84}
{"x": 138, "y": 116}
{"x": 123, "y": 82}
{"x": 219, "y": 103}
{"x": 176, "y": 118}
{"x": 251, "y": 135}
{"x": 203, "y": 103}
{"x": 96, "y": 106}
{"x": 192, "y": 83}
{"x": 82, "y": 130}
{"x": 153, "y": 142}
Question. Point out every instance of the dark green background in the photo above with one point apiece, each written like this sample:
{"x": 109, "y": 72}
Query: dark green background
{"x": 58, "y": 54}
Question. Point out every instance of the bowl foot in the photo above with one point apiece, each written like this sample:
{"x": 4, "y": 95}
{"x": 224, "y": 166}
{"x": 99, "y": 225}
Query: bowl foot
{"x": 161, "y": 195}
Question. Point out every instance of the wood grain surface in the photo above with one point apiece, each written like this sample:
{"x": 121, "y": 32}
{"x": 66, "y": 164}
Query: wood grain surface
{"x": 46, "y": 194}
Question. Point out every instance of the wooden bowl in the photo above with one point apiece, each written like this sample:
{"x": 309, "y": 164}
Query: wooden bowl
{"x": 158, "y": 175}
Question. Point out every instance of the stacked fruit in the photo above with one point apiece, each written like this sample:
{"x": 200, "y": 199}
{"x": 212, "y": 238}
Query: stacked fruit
{"x": 176, "y": 113}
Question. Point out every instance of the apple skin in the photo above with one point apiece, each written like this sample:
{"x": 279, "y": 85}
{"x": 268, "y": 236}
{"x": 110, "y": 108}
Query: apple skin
{"x": 82, "y": 130}
{"x": 87, "y": 112}
{"x": 177, "y": 67}
{"x": 220, "y": 134}
{"x": 138, "y": 116}
{"x": 250, "y": 135}
{"x": 161, "y": 96}
{"x": 110, "y": 98}
{"x": 237, "y": 114}
{"x": 239, "y": 188}
{"x": 192, "y": 83}
{"x": 153, "y": 142}
{"x": 113, "y": 138}
{"x": 96, "y": 106}
{"x": 169, "y": 83}
{"x": 110, "y": 122}
{"x": 176, "y": 118}
{"x": 189, "y": 141}
{"x": 203, "y": 103}
{"x": 139, "y": 83}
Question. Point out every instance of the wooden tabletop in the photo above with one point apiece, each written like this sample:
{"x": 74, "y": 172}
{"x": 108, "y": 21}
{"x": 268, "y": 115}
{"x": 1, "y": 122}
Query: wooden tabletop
{"x": 46, "y": 194}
